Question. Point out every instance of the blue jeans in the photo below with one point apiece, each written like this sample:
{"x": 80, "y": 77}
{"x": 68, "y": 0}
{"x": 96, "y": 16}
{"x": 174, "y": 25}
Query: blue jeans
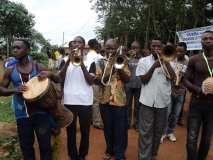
{"x": 200, "y": 120}
{"x": 115, "y": 129}
{"x": 174, "y": 111}
{"x": 40, "y": 125}
{"x": 130, "y": 94}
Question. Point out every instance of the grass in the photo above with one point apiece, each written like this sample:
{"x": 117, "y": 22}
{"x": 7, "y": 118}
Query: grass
{"x": 6, "y": 112}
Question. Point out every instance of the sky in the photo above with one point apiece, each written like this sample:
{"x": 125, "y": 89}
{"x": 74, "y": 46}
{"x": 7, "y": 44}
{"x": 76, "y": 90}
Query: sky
{"x": 53, "y": 17}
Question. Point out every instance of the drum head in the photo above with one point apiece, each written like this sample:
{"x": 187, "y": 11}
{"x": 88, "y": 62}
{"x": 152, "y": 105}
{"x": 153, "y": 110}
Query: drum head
{"x": 36, "y": 88}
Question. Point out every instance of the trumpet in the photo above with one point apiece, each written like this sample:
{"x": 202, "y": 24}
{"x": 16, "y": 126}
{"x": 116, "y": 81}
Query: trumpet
{"x": 76, "y": 57}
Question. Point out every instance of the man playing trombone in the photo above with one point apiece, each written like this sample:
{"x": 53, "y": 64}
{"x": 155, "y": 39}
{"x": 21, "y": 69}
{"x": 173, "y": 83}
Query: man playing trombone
{"x": 156, "y": 75}
{"x": 112, "y": 74}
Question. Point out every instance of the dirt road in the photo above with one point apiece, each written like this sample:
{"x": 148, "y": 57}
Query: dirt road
{"x": 168, "y": 150}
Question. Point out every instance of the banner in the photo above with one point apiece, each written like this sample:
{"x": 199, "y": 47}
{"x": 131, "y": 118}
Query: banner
{"x": 192, "y": 37}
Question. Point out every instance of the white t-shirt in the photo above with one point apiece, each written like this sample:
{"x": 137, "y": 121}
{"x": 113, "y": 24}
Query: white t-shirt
{"x": 157, "y": 92}
{"x": 76, "y": 90}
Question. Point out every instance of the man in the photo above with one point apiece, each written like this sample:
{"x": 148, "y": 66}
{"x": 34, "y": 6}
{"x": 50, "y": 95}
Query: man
{"x": 199, "y": 68}
{"x": 92, "y": 55}
{"x": 179, "y": 65}
{"x": 155, "y": 98}
{"x": 78, "y": 98}
{"x": 113, "y": 102}
{"x": 30, "y": 117}
{"x": 133, "y": 88}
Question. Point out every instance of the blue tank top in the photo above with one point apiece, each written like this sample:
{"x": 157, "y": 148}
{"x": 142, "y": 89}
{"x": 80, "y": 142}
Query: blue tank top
{"x": 18, "y": 103}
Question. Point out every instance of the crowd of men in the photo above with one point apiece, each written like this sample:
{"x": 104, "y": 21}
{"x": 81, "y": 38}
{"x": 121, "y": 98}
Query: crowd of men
{"x": 100, "y": 87}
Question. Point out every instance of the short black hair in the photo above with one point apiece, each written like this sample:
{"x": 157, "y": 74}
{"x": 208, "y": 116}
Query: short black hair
{"x": 153, "y": 39}
{"x": 93, "y": 43}
{"x": 182, "y": 44}
{"x": 26, "y": 42}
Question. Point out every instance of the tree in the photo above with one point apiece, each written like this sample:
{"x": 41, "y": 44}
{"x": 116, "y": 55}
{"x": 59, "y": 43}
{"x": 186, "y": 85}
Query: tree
{"x": 15, "y": 21}
{"x": 144, "y": 19}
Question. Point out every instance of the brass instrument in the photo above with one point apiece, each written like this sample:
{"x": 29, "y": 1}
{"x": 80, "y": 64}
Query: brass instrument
{"x": 118, "y": 61}
{"x": 165, "y": 56}
{"x": 105, "y": 70}
{"x": 76, "y": 57}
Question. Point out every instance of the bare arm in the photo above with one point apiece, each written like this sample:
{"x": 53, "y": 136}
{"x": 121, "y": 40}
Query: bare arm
{"x": 188, "y": 79}
{"x": 88, "y": 77}
{"x": 4, "y": 84}
{"x": 146, "y": 77}
{"x": 44, "y": 70}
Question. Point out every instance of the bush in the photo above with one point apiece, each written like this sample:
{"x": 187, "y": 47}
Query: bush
{"x": 40, "y": 57}
{"x": 6, "y": 112}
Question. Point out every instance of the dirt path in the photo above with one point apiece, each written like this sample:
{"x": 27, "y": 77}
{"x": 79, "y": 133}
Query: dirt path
{"x": 168, "y": 150}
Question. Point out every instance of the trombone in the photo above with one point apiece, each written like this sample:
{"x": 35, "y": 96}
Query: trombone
{"x": 166, "y": 55}
{"x": 104, "y": 76}
{"x": 117, "y": 62}
{"x": 120, "y": 59}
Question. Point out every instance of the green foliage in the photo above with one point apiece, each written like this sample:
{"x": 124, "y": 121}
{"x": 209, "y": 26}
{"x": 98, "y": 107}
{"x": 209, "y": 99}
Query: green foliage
{"x": 6, "y": 112}
{"x": 40, "y": 57}
{"x": 15, "y": 20}
{"x": 144, "y": 19}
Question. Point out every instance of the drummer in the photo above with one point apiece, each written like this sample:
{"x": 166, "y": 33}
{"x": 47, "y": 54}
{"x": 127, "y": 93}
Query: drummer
{"x": 30, "y": 118}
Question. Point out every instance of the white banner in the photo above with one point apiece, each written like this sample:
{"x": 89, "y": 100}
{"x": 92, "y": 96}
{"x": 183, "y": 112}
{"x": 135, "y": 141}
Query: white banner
{"x": 192, "y": 37}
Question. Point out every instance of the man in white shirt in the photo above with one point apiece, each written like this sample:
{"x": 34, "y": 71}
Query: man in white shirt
{"x": 155, "y": 98}
{"x": 78, "y": 98}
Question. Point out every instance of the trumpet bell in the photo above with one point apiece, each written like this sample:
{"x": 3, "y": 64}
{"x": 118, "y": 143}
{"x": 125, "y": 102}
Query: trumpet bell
{"x": 76, "y": 61}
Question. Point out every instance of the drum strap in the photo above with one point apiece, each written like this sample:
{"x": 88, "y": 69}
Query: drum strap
{"x": 24, "y": 100}
{"x": 207, "y": 63}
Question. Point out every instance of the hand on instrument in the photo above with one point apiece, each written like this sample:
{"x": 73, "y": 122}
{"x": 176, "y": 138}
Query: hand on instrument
{"x": 156, "y": 64}
{"x": 20, "y": 89}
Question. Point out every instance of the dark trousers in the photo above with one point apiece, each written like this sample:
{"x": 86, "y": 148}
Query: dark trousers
{"x": 115, "y": 129}
{"x": 130, "y": 94}
{"x": 84, "y": 113}
{"x": 40, "y": 125}
{"x": 200, "y": 114}
{"x": 152, "y": 124}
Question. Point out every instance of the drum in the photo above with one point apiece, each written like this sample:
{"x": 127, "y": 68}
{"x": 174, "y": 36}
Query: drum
{"x": 44, "y": 93}
{"x": 207, "y": 86}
